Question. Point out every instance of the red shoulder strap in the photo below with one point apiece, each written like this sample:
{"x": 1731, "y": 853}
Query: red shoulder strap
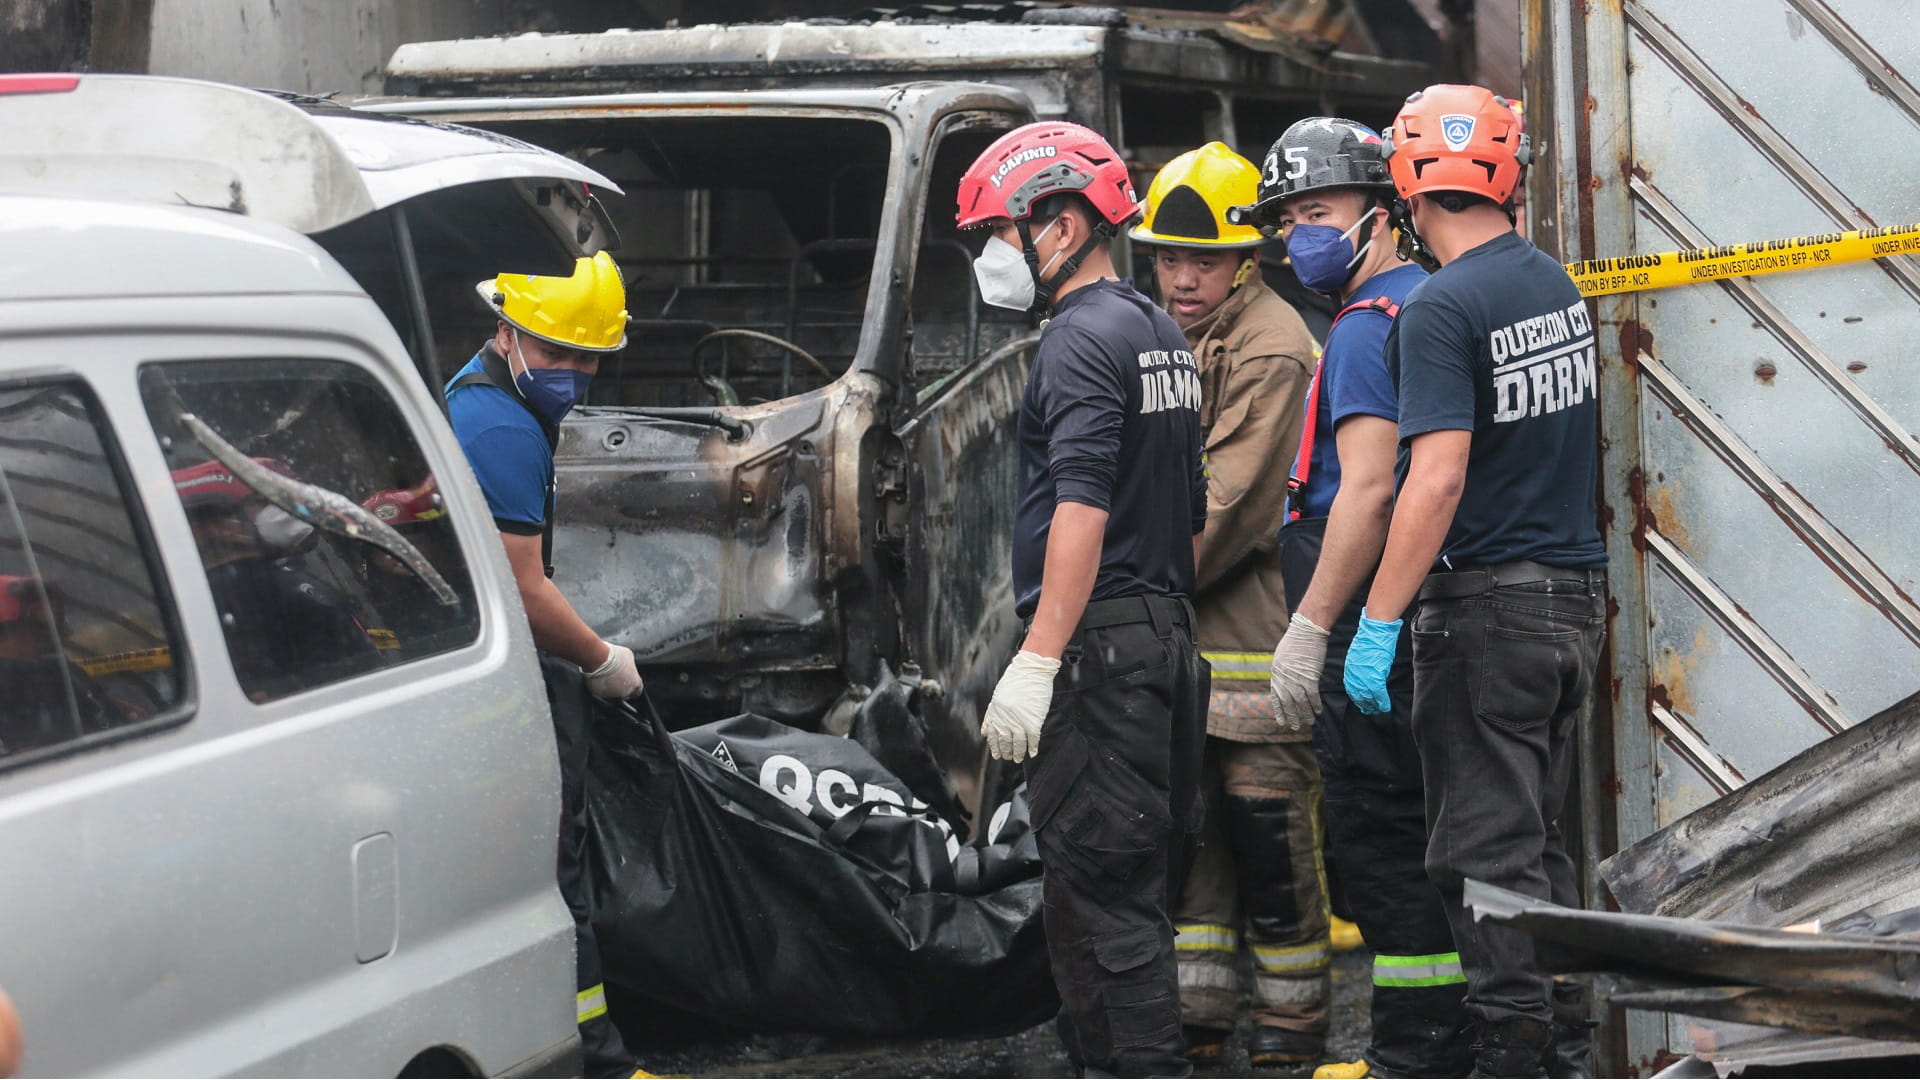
{"x": 1303, "y": 461}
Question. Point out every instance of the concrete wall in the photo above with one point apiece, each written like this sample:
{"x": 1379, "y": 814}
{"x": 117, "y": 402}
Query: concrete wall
{"x": 312, "y": 46}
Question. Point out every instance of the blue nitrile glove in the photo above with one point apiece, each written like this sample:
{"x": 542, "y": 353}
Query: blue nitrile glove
{"x": 1368, "y": 659}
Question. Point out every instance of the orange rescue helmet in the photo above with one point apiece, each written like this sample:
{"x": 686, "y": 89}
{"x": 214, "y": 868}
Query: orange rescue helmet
{"x": 1457, "y": 138}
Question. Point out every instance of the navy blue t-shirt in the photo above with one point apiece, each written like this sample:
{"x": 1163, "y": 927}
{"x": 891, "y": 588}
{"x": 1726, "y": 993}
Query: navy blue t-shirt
{"x": 1498, "y": 342}
{"x": 1353, "y": 381}
{"x": 1111, "y": 419}
{"x": 507, "y": 449}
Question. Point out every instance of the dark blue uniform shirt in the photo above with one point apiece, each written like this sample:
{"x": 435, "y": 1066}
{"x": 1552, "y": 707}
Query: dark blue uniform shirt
{"x": 1354, "y": 381}
{"x": 1111, "y": 419}
{"x": 1498, "y": 342}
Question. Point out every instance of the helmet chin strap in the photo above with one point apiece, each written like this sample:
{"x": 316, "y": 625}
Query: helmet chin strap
{"x": 1408, "y": 244}
{"x": 1045, "y": 287}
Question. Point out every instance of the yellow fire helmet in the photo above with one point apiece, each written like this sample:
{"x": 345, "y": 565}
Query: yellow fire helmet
{"x": 587, "y": 311}
{"x": 1188, "y": 200}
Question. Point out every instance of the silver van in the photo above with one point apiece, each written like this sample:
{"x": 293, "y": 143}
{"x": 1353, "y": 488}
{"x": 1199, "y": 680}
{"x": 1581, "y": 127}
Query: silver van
{"x": 278, "y": 788}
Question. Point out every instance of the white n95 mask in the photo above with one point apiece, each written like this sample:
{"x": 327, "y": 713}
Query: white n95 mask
{"x": 1005, "y": 281}
{"x": 1001, "y": 270}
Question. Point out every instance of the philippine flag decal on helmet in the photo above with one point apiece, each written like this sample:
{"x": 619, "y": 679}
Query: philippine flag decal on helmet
{"x": 1457, "y": 129}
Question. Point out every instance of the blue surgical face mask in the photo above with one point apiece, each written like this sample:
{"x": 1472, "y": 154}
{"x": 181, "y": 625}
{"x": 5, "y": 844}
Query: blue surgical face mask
{"x": 1323, "y": 257}
{"x": 551, "y": 392}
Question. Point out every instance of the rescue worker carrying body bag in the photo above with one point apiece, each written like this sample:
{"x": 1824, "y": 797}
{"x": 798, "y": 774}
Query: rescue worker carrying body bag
{"x": 506, "y": 405}
{"x": 1256, "y": 878}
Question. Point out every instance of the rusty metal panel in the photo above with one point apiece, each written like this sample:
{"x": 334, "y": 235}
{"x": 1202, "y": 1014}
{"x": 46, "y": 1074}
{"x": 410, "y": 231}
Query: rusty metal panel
{"x": 1761, "y": 471}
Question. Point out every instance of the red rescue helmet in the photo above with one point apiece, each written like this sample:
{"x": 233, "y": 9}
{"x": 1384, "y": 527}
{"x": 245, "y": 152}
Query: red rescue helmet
{"x": 407, "y": 506}
{"x": 212, "y": 484}
{"x": 1036, "y": 160}
{"x": 1457, "y": 138}
{"x": 19, "y": 598}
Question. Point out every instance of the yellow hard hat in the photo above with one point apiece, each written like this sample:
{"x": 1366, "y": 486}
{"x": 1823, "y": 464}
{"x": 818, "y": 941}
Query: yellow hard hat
{"x": 586, "y": 311}
{"x": 1188, "y": 200}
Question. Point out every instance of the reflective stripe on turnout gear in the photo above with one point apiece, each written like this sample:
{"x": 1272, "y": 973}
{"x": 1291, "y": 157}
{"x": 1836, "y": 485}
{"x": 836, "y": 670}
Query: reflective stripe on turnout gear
{"x": 1240, "y": 665}
{"x": 1293, "y": 958}
{"x": 1271, "y": 990}
{"x": 1204, "y": 937}
{"x": 590, "y": 1003}
{"x": 1303, "y": 460}
{"x": 1433, "y": 969}
{"x": 1209, "y": 976}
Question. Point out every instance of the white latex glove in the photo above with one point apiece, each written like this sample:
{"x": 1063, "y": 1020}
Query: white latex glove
{"x": 1297, "y": 662}
{"x": 1019, "y": 707}
{"x": 617, "y": 678}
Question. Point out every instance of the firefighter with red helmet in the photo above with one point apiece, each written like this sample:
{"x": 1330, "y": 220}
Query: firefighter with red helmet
{"x": 1106, "y": 698}
{"x": 1496, "y": 532}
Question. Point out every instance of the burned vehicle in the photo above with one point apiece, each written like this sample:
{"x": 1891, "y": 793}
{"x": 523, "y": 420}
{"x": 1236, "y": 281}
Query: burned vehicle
{"x": 796, "y": 482}
{"x": 796, "y": 471}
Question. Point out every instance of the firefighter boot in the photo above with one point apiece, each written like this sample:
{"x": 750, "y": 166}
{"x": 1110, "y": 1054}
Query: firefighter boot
{"x": 1346, "y": 936}
{"x": 1571, "y": 1057}
{"x": 1511, "y": 1048}
{"x": 1269, "y": 1046}
{"x": 1205, "y": 1045}
{"x": 1572, "y": 1053}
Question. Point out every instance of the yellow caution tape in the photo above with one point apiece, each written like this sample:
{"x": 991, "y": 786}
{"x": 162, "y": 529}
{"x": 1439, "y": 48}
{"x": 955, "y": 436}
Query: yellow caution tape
{"x": 124, "y": 663}
{"x": 1634, "y": 273}
{"x": 140, "y": 661}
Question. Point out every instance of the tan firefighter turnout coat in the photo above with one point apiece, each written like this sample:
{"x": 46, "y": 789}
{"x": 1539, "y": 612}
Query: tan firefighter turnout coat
{"x": 1256, "y": 361}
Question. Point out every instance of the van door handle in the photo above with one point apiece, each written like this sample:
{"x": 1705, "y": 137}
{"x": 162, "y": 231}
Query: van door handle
{"x": 376, "y": 897}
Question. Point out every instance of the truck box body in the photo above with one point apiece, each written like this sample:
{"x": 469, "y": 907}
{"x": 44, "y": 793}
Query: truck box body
{"x": 1758, "y": 449}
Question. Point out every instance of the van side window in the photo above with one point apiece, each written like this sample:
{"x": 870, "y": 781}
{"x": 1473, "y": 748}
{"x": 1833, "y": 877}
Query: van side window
{"x": 324, "y": 536}
{"x": 86, "y": 647}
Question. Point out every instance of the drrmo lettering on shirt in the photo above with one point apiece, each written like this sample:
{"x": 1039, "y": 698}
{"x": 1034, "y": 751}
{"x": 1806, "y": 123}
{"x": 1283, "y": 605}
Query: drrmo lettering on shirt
{"x": 1542, "y": 364}
{"x": 1168, "y": 380}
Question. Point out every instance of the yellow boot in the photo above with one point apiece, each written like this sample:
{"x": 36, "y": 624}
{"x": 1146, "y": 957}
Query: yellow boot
{"x": 1342, "y": 1070}
{"x": 1345, "y": 935}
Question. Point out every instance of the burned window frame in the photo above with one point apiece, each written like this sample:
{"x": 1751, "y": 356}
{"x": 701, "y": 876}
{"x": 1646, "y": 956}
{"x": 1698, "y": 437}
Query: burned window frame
{"x": 142, "y": 533}
{"x": 885, "y": 270}
{"x": 925, "y": 389}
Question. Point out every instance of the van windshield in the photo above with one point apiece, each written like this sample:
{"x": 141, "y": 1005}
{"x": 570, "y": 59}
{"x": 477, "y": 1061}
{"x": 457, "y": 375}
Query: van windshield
{"x": 748, "y": 247}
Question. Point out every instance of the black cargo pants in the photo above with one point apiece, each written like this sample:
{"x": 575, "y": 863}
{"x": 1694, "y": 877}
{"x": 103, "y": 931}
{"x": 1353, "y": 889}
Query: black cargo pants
{"x": 602, "y": 1051}
{"x": 1504, "y": 660}
{"x": 1113, "y": 792}
{"x": 1375, "y": 810}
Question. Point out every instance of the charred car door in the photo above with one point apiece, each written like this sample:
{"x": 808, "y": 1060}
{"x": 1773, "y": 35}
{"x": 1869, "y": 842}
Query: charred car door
{"x": 950, "y": 509}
